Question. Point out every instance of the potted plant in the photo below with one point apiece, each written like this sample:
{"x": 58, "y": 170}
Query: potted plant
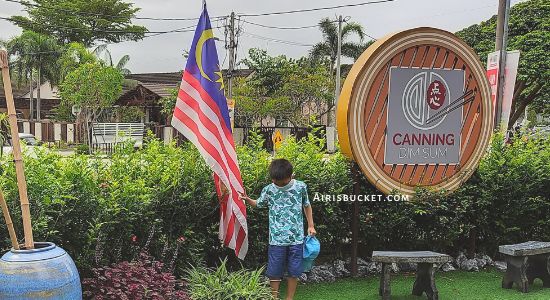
{"x": 34, "y": 270}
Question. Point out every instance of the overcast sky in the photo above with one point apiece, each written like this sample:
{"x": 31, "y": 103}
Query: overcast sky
{"x": 163, "y": 53}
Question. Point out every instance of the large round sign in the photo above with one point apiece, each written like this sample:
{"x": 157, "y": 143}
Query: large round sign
{"x": 415, "y": 110}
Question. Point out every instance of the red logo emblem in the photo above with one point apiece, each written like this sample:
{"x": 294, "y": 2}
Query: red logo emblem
{"x": 436, "y": 95}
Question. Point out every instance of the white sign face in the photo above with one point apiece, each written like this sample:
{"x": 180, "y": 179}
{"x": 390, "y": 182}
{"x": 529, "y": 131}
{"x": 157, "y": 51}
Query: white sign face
{"x": 425, "y": 116}
{"x": 510, "y": 73}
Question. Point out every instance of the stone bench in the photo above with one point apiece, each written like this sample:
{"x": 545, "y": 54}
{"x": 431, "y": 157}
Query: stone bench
{"x": 525, "y": 262}
{"x": 425, "y": 272}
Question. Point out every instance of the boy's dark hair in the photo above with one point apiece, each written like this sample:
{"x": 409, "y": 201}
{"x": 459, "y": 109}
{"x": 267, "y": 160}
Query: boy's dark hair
{"x": 280, "y": 169}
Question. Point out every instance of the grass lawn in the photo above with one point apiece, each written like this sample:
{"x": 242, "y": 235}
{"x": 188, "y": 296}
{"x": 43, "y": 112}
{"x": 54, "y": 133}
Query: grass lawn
{"x": 456, "y": 285}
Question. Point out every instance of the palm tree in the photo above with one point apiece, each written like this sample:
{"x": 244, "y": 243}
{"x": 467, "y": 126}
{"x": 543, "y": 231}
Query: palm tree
{"x": 108, "y": 60}
{"x": 328, "y": 48}
{"x": 35, "y": 52}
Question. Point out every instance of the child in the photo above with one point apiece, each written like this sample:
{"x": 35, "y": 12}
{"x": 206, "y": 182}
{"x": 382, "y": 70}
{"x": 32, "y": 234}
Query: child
{"x": 285, "y": 198}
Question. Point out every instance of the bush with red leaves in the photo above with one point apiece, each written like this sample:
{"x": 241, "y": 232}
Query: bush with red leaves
{"x": 136, "y": 280}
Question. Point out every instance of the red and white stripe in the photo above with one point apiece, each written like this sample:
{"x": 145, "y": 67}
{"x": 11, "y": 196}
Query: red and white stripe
{"x": 198, "y": 117}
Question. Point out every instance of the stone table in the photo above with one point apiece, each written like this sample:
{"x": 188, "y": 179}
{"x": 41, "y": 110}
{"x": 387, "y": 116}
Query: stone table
{"x": 525, "y": 262}
{"x": 425, "y": 273}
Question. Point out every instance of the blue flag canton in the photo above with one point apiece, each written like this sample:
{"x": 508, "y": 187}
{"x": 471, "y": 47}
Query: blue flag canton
{"x": 204, "y": 65}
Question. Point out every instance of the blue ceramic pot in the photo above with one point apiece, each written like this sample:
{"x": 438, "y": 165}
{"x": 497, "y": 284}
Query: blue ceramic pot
{"x": 46, "y": 272}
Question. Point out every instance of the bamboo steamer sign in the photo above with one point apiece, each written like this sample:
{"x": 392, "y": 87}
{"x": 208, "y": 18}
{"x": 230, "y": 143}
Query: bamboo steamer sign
{"x": 415, "y": 110}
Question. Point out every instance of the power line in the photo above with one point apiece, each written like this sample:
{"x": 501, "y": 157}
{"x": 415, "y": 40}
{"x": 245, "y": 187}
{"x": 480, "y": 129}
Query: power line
{"x": 370, "y": 36}
{"x": 270, "y": 39}
{"x": 313, "y": 9}
{"x": 112, "y": 43}
{"x": 76, "y": 29}
{"x": 154, "y": 33}
{"x": 40, "y": 52}
{"x": 277, "y": 27}
{"x": 176, "y": 31}
{"x": 104, "y": 15}
{"x": 298, "y": 27}
{"x": 182, "y": 29}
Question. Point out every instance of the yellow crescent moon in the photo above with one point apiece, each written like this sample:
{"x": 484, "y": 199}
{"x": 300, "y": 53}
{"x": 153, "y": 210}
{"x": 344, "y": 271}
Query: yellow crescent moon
{"x": 205, "y": 36}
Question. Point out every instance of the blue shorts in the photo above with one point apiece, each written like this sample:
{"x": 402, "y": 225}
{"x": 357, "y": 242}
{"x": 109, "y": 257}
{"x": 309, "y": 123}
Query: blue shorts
{"x": 279, "y": 257}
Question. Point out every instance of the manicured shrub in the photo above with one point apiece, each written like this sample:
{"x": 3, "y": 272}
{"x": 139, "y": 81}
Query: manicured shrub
{"x": 505, "y": 201}
{"x": 84, "y": 203}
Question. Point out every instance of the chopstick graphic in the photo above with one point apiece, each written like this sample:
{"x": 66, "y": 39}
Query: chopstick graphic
{"x": 453, "y": 105}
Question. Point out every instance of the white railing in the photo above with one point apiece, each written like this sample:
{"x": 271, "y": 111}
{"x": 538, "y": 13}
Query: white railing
{"x": 114, "y": 133}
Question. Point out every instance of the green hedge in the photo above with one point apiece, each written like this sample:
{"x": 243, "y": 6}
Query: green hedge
{"x": 505, "y": 201}
{"x": 93, "y": 207}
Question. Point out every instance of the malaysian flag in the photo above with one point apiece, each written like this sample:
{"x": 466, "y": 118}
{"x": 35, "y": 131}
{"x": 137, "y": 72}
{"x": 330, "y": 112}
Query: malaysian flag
{"x": 201, "y": 115}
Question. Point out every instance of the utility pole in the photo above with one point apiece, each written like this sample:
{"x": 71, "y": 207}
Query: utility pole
{"x": 38, "y": 97}
{"x": 501, "y": 42}
{"x": 338, "y": 76}
{"x": 31, "y": 101}
{"x": 356, "y": 173}
{"x": 232, "y": 47}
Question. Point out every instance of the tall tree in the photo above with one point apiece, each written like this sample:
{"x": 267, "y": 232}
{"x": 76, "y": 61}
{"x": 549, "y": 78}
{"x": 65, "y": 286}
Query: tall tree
{"x": 83, "y": 21}
{"x": 103, "y": 53}
{"x": 75, "y": 54}
{"x": 93, "y": 88}
{"x": 35, "y": 52}
{"x": 328, "y": 48}
{"x": 282, "y": 88}
{"x": 529, "y": 32}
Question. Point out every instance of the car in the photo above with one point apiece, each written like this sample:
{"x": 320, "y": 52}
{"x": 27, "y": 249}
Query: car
{"x": 26, "y": 138}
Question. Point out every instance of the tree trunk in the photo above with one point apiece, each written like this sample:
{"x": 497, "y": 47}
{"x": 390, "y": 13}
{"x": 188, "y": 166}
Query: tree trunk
{"x": 38, "y": 99}
{"x": 521, "y": 108}
{"x": 87, "y": 128}
{"x": 329, "y": 112}
{"x": 31, "y": 98}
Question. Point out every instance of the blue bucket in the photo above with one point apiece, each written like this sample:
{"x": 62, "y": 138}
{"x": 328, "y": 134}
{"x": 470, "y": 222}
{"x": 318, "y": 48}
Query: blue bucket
{"x": 46, "y": 272}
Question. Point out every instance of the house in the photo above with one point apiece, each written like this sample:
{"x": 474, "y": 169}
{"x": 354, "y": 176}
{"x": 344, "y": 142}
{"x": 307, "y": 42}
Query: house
{"x": 22, "y": 107}
{"x": 147, "y": 88}
{"x": 21, "y": 96}
{"x": 143, "y": 90}
{"x": 49, "y": 99}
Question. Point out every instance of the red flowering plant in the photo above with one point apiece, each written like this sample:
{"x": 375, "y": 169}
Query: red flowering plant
{"x": 142, "y": 278}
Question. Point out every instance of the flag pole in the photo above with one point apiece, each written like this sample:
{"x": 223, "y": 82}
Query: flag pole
{"x": 17, "y": 158}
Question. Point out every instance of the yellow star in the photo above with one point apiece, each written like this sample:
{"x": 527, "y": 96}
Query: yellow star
{"x": 220, "y": 79}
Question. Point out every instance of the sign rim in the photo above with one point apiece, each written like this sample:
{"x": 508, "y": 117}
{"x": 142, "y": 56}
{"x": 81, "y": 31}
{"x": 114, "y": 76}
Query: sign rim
{"x": 359, "y": 81}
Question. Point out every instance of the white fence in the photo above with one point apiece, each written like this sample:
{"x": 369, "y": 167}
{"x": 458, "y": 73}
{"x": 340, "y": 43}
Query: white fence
{"x": 50, "y": 131}
{"x": 113, "y": 133}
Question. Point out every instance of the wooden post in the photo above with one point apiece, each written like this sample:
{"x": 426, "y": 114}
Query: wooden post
{"x": 355, "y": 219}
{"x": 9, "y": 223}
{"x": 19, "y": 167}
